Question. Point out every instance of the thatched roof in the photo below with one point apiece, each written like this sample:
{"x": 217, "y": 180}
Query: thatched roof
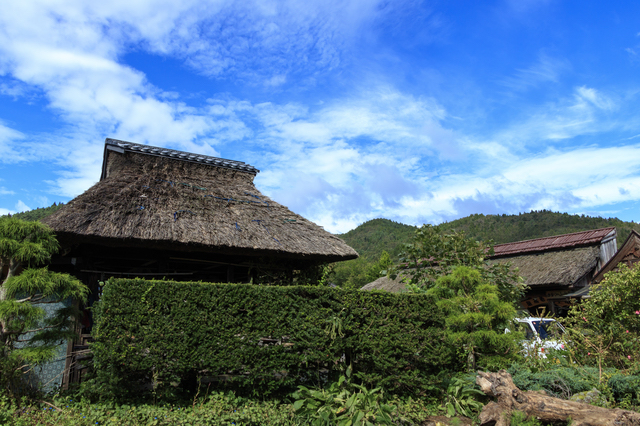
{"x": 387, "y": 284}
{"x": 153, "y": 197}
{"x": 561, "y": 267}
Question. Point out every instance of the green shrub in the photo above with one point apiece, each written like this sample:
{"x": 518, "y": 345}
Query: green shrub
{"x": 157, "y": 338}
{"x": 625, "y": 388}
{"x": 560, "y": 382}
{"x": 604, "y": 329}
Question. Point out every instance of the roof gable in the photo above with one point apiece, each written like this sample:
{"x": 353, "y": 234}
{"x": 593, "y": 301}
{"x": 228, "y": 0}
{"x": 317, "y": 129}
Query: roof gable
{"x": 628, "y": 253}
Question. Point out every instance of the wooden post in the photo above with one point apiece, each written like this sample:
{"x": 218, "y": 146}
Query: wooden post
{"x": 230, "y": 274}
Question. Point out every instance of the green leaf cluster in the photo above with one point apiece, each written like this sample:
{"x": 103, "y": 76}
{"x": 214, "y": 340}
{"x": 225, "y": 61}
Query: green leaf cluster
{"x": 343, "y": 404}
{"x": 354, "y": 274}
{"x": 463, "y": 397}
{"x": 604, "y": 329}
{"x": 263, "y": 339}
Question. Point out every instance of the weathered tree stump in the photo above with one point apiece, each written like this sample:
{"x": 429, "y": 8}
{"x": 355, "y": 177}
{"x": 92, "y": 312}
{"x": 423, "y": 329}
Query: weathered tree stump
{"x": 543, "y": 407}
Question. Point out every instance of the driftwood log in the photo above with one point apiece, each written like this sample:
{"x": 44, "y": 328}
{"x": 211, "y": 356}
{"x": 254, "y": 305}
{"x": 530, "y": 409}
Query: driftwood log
{"x": 543, "y": 407}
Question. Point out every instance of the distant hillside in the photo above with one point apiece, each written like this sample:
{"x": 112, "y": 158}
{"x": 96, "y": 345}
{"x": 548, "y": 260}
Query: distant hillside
{"x": 39, "y": 213}
{"x": 536, "y": 224}
{"x": 374, "y": 236}
{"x": 377, "y": 235}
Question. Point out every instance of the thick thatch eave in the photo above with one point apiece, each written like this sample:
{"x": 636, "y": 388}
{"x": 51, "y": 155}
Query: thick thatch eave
{"x": 152, "y": 200}
{"x": 553, "y": 268}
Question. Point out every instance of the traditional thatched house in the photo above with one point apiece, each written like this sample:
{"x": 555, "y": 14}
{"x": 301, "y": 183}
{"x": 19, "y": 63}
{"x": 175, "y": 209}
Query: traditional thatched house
{"x": 163, "y": 213}
{"x": 554, "y": 267}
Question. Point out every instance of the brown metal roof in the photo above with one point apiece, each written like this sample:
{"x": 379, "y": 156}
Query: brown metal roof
{"x": 576, "y": 239}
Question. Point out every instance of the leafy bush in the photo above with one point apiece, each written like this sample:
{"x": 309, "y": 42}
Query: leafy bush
{"x": 28, "y": 336}
{"x": 518, "y": 418}
{"x": 435, "y": 253}
{"x": 604, "y": 330}
{"x": 156, "y": 338}
{"x": 342, "y": 404}
{"x": 463, "y": 397}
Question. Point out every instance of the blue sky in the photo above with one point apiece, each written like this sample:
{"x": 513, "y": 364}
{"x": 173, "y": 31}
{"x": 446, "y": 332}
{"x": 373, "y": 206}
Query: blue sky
{"x": 417, "y": 111}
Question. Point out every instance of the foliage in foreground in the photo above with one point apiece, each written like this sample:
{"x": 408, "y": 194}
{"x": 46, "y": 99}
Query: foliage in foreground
{"x": 28, "y": 335}
{"x": 620, "y": 387}
{"x": 463, "y": 397}
{"x": 343, "y": 404}
{"x": 475, "y": 319}
{"x": 604, "y": 330}
{"x": 214, "y": 408}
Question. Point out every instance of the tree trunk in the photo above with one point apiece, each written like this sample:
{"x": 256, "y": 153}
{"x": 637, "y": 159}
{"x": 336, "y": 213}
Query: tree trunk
{"x": 543, "y": 407}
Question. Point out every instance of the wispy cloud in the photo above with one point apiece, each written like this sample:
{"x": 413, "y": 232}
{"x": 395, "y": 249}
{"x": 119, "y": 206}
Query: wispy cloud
{"x": 587, "y": 111}
{"x": 546, "y": 70}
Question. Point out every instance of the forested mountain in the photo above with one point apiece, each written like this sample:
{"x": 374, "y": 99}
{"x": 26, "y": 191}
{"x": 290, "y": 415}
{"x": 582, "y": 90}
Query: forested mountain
{"x": 375, "y": 236}
{"x": 39, "y": 213}
{"x": 536, "y": 224}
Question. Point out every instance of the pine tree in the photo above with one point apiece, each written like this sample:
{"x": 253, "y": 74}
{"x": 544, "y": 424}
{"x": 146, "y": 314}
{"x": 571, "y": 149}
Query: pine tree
{"x": 27, "y": 335}
{"x": 476, "y": 318}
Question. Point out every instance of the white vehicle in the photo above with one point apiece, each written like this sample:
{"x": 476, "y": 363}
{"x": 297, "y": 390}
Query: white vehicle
{"x": 542, "y": 334}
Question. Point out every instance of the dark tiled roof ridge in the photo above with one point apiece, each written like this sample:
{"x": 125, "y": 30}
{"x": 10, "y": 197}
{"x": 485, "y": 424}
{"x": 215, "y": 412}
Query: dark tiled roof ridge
{"x": 555, "y": 242}
{"x": 181, "y": 155}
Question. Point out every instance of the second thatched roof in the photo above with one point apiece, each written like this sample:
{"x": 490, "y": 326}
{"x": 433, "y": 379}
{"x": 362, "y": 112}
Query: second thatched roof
{"x": 563, "y": 267}
{"x": 387, "y": 284}
{"x": 152, "y": 197}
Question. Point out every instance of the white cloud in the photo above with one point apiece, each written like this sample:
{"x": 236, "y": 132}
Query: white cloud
{"x": 71, "y": 51}
{"x": 581, "y": 178}
{"x": 22, "y": 207}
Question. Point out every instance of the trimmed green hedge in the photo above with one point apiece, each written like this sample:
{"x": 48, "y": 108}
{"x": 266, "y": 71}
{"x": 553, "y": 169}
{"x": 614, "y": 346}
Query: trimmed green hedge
{"x": 161, "y": 336}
